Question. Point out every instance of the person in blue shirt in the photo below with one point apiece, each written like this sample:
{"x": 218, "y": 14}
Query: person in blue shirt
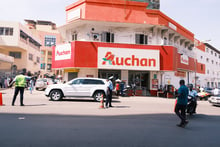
{"x": 182, "y": 99}
{"x": 108, "y": 102}
{"x": 193, "y": 94}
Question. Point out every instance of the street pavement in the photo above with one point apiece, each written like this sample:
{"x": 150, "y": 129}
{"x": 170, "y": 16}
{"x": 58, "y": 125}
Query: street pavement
{"x": 78, "y": 122}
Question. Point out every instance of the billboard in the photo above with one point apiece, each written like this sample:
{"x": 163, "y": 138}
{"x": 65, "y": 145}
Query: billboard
{"x": 128, "y": 59}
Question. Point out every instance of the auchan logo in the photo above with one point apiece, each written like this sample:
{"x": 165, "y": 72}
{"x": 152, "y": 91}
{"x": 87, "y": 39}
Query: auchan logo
{"x": 60, "y": 53}
{"x": 111, "y": 59}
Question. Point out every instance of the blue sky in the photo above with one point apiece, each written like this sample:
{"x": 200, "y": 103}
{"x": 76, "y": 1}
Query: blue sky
{"x": 198, "y": 16}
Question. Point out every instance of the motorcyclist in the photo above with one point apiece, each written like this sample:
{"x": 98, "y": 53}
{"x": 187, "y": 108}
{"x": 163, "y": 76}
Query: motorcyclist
{"x": 193, "y": 94}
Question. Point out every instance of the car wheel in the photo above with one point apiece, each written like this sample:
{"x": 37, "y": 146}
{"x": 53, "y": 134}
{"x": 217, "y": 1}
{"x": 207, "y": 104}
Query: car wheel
{"x": 36, "y": 88}
{"x": 98, "y": 96}
{"x": 56, "y": 95}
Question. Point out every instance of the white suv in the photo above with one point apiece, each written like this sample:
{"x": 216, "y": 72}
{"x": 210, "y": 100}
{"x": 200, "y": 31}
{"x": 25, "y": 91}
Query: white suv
{"x": 79, "y": 87}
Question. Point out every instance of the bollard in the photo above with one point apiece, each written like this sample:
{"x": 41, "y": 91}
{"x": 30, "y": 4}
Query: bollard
{"x": 1, "y": 102}
{"x": 102, "y": 102}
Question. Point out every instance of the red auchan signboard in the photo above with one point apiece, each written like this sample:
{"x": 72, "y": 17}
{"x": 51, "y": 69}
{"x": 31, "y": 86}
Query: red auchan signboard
{"x": 63, "y": 52}
{"x": 128, "y": 59}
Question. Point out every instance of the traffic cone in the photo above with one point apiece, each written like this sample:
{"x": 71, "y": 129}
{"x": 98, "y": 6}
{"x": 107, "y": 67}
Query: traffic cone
{"x": 1, "y": 102}
{"x": 102, "y": 102}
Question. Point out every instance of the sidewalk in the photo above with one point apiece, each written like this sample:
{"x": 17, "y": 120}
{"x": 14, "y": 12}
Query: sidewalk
{"x": 38, "y": 103}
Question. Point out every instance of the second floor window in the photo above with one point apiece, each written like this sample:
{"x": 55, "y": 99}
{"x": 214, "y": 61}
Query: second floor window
{"x": 74, "y": 37}
{"x": 6, "y": 31}
{"x": 107, "y": 37}
{"x": 50, "y": 41}
{"x": 141, "y": 39}
{"x": 16, "y": 55}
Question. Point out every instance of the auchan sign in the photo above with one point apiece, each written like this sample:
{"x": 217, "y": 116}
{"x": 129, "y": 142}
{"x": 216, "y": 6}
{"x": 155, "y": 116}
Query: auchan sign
{"x": 129, "y": 59}
{"x": 63, "y": 52}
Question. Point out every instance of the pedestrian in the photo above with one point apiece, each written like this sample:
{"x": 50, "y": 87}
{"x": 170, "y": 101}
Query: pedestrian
{"x": 108, "y": 102}
{"x": 117, "y": 88}
{"x": 20, "y": 83}
{"x": 122, "y": 85}
{"x": 180, "y": 108}
{"x": 193, "y": 94}
{"x": 31, "y": 85}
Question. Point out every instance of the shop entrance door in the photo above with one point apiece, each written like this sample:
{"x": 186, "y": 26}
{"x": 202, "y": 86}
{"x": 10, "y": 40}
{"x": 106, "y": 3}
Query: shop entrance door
{"x": 72, "y": 75}
{"x": 141, "y": 80}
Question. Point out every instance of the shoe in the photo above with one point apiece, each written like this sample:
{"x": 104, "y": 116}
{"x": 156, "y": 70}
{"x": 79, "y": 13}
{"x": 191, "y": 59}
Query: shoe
{"x": 111, "y": 106}
{"x": 186, "y": 122}
{"x": 12, "y": 104}
{"x": 22, "y": 104}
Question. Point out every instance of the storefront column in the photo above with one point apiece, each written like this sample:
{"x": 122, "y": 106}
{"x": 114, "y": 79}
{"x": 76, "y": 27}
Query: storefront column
{"x": 124, "y": 76}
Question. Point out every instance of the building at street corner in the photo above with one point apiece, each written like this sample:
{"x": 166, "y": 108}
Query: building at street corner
{"x": 19, "y": 49}
{"x": 127, "y": 40}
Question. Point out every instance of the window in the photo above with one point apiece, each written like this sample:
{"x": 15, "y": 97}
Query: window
{"x": 107, "y": 37}
{"x": 201, "y": 57}
{"x": 49, "y": 59}
{"x": 38, "y": 59}
{"x": 16, "y": 55}
{"x": 77, "y": 81}
{"x": 50, "y": 41}
{"x": 141, "y": 39}
{"x": 207, "y": 50}
{"x": 48, "y": 66}
{"x": 1, "y": 31}
{"x": 212, "y": 62}
{"x": 207, "y": 71}
{"x": 201, "y": 67}
{"x": 94, "y": 82}
{"x": 74, "y": 36}
{"x": 49, "y": 53}
{"x": 212, "y": 52}
{"x": 6, "y": 31}
{"x": 30, "y": 56}
{"x": 42, "y": 66}
{"x": 42, "y": 59}
{"x": 42, "y": 52}
{"x": 207, "y": 59}
{"x": 216, "y": 54}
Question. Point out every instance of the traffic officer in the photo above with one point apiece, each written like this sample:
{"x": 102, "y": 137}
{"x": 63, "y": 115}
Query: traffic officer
{"x": 20, "y": 83}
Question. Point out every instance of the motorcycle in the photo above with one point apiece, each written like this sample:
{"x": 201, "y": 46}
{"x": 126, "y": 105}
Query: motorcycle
{"x": 191, "y": 105}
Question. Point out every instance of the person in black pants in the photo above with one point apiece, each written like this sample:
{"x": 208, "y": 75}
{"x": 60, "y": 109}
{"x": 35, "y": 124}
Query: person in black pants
{"x": 180, "y": 108}
{"x": 109, "y": 93}
{"x": 20, "y": 83}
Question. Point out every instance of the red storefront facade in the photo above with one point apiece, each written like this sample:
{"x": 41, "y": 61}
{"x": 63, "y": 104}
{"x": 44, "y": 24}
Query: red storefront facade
{"x": 80, "y": 55}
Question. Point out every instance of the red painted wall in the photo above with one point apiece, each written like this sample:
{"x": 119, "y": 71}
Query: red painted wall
{"x": 200, "y": 68}
{"x": 126, "y": 12}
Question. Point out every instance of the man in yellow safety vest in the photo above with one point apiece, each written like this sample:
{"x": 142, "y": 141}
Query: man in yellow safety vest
{"x": 20, "y": 83}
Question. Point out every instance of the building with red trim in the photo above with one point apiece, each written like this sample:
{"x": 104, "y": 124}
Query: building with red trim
{"x": 124, "y": 39}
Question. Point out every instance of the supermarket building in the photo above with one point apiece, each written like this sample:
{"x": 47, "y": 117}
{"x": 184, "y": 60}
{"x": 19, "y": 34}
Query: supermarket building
{"x": 124, "y": 39}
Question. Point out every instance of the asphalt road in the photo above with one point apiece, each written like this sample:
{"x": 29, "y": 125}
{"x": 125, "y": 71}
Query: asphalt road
{"x": 133, "y": 122}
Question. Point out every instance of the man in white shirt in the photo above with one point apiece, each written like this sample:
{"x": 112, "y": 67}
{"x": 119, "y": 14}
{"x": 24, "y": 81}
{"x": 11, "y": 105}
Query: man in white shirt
{"x": 109, "y": 94}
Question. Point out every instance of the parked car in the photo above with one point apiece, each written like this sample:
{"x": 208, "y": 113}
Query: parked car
{"x": 215, "y": 100}
{"x": 209, "y": 90}
{"x": 42, "y": 83}
{"x": 79, "y": 87}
